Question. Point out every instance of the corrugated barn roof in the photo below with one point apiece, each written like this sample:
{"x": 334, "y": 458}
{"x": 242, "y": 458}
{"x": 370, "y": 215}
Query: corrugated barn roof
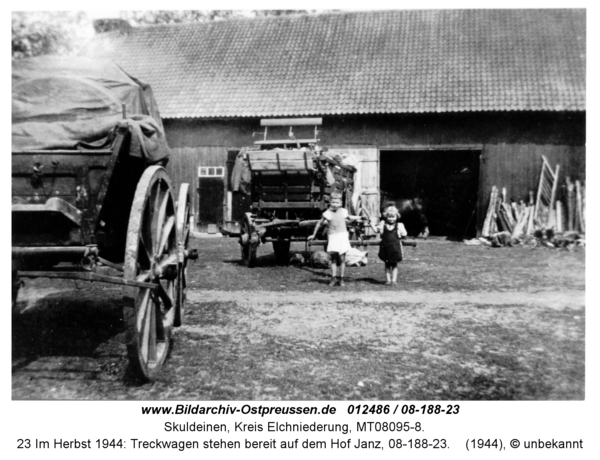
{"x": 360, "y": 62}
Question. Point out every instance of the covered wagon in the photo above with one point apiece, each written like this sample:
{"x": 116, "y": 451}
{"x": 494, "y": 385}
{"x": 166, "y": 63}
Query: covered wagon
{"x": 91, "y": 199}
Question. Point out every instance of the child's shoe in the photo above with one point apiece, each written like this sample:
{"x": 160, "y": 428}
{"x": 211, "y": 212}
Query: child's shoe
{"x": 341, "y": 283}
{"x": 333, "y": 282}
{"x": 388, "y": 283}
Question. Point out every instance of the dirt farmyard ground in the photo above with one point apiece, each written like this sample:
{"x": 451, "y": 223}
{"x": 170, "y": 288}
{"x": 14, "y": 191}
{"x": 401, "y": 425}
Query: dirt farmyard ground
{"x": 465, "y": 323}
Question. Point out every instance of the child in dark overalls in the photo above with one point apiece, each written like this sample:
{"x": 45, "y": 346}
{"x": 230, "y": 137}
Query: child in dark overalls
{"x": 390, "y": 248}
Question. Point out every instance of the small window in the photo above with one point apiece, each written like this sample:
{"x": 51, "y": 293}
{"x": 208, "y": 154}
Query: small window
{"x": 211, "y": 171}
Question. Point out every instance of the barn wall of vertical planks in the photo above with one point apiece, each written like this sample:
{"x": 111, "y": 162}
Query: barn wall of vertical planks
{"x": 183, "y": 168}
{"x": 511, "y": 143}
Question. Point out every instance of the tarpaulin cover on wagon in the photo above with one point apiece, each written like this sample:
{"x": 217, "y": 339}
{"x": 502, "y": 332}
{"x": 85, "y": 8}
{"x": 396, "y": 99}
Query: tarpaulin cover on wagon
{"x": 76, "y": 103}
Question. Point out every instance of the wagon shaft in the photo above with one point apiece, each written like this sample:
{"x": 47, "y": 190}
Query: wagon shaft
{"x": 87, "y": 276}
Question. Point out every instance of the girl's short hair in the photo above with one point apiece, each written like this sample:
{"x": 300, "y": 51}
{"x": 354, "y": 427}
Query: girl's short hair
{"x": 391, "y": 210}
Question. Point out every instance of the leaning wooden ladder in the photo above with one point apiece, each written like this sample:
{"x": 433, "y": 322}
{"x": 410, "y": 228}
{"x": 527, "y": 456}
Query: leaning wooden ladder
{"x": 544, "y": 216}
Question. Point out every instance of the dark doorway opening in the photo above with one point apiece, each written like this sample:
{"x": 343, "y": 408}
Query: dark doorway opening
{"x": 211, "y": 194}
{"x": 447, "y": 181}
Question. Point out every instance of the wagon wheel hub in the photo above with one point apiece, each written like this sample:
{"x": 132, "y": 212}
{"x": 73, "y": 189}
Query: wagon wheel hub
{"x": 166, "y": 269}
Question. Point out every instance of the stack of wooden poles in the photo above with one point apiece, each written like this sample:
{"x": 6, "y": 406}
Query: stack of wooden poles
{"x": 504, "y": 216}
{"x": 522, "y": 218}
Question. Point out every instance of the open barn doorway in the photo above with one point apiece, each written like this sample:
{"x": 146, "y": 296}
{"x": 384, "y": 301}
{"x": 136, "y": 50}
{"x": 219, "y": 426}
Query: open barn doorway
{"x": 446, "y": 180}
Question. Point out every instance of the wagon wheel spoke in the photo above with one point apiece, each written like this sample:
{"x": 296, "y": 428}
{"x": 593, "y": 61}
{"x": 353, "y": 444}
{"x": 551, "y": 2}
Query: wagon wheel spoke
{"x": 168, "y": 227}
{"x": 160, "y": 223}
{"x": 152, "y": 216}
{"x": 158, "y": 320}
{"x": 150, "y": 219}
{"x": 144, "y": 276}
{"x": 147, "y": 326}
{"x": 165, "y": 296}
{"x": 145, "y": 252}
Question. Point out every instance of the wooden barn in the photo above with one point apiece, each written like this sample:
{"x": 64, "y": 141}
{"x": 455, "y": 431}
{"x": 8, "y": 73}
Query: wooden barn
{"x": 441, "y": 104}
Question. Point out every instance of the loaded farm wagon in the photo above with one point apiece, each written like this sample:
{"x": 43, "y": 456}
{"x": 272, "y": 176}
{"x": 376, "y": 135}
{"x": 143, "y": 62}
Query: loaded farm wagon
{"x": 289, "y": 182}
{"x": 91, "y": 199}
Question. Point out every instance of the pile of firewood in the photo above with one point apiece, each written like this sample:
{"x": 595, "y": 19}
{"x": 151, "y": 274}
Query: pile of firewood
{"x": 557, "y": 224}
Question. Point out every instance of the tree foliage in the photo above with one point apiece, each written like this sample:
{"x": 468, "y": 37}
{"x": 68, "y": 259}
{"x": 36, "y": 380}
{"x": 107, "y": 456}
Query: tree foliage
{"x": 59, "y": 32}
{"x": 45, "y": 32}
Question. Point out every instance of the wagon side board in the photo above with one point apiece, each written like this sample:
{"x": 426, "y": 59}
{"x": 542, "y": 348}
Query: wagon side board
{"x": 67, "y": 198}
{"x": 55, "y": 195}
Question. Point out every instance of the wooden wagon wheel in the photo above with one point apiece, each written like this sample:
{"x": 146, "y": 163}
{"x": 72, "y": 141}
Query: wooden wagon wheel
{"x": 248, "y": 249}
{"x": 152, "y": 257}
{"x": 183, "y": 238}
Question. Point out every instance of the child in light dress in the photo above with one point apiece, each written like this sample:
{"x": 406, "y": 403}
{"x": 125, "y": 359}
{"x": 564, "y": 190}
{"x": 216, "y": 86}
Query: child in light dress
{"x": 390, "y": 248}
{"x": 338, "y": 241}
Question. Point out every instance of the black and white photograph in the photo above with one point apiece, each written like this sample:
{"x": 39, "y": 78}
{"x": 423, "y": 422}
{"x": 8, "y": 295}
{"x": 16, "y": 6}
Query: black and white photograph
{"x": 299, "y": 205}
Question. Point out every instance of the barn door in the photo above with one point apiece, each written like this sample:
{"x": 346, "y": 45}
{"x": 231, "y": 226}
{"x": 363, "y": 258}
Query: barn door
{"x": 211, "y": 193}
{"x": 367, "y": 177}
{"x": 446, "y": 180}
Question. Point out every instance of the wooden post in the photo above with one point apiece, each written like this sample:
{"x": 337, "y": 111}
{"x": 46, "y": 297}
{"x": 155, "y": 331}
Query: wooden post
{"x": 551, "y": 215}
{"x": 551, "y": 221}
{"x": 496, "y": 222}
{"x": 539, "y": 191}
{"x": 570, "y": 205}
{"x": 487, "y": 223}
{"x": 520, "y": 227}
{"x": 579, "y": 208}
{"x": 522, "y": 208}
{"x": 583, "y": 206}
{"x": 504, "y": 220}
{"x": 508, "y": 214}
{"x": 515, "y": 211}
{"x": 530, "y": 220}
{"x": 559, "y": 216}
